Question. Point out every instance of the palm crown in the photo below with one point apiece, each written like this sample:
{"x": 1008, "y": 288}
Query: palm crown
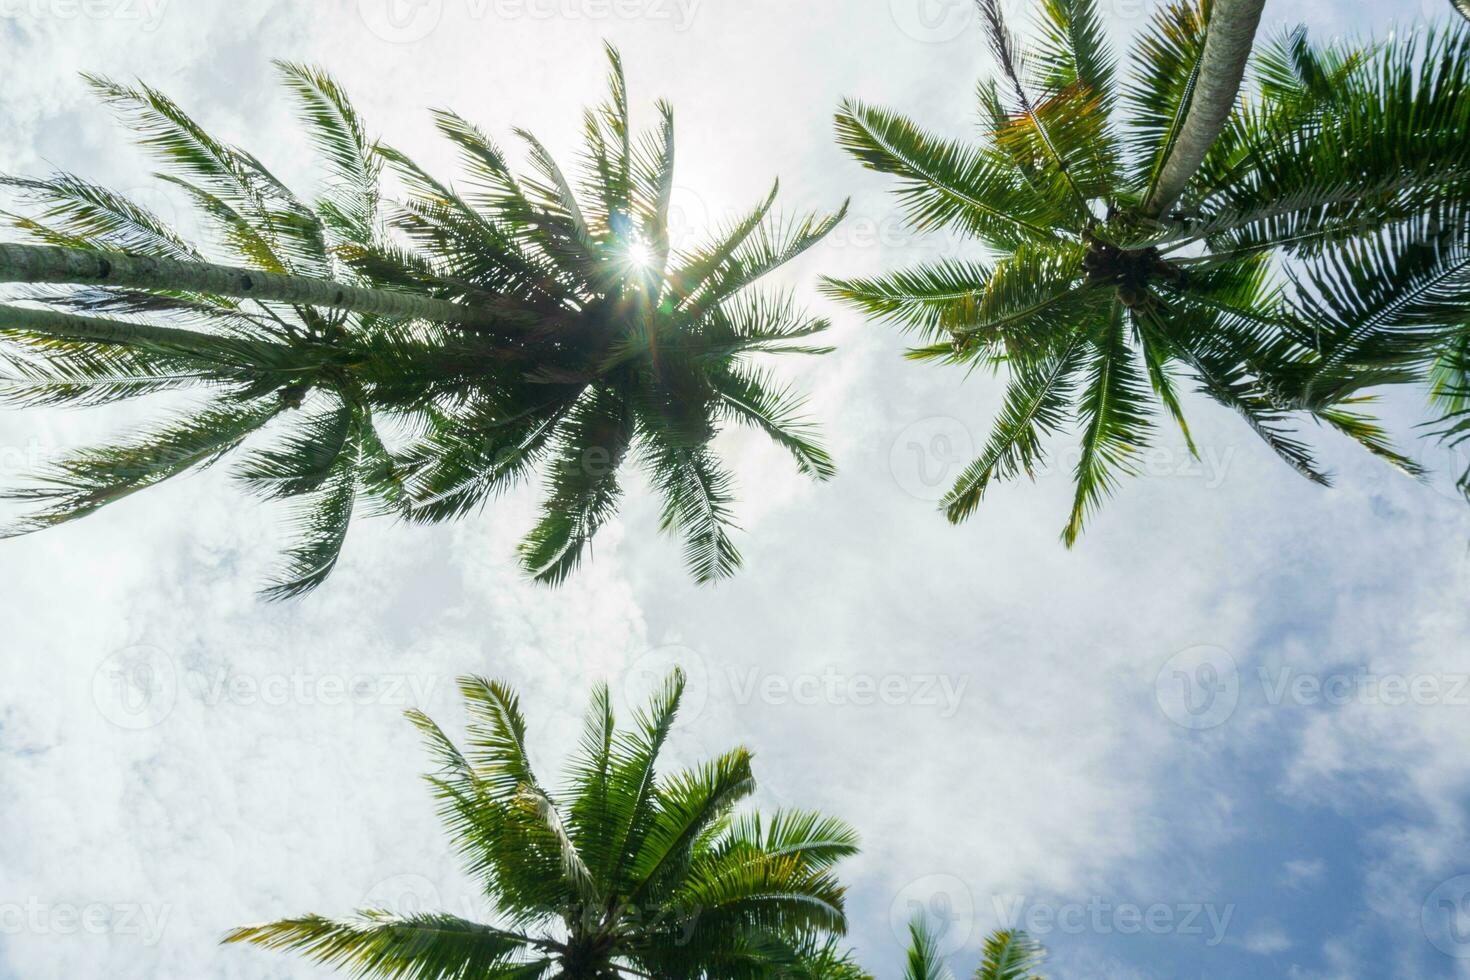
{"x": 1105, "y": 284}
{"x": 421, "y": 356}
{"x": 624, "y": 872}
{"x": 1009, "y": 954}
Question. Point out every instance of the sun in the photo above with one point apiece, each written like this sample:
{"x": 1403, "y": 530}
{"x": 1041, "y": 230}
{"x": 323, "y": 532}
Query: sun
{"x": 640, "y": 256}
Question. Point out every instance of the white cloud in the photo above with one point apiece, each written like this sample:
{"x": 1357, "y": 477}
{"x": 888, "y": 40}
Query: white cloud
{"x": 1267, "y": 939}
{"x": 1056, "y": 770}
{"x": 1303, "y": 872}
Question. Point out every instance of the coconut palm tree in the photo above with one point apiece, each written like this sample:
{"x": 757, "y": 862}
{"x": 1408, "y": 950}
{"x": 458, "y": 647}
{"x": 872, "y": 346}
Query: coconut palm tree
{"x": 1009, "y": 955}
{"x": 1393, "y": 293}
{"x": 624, "y": 872}
{"x": 420, "y": 356}
{"x": 1137, "y": 228}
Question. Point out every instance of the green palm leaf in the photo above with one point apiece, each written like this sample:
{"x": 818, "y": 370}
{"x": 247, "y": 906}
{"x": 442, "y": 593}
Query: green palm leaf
{"x": 87, "y": 479}
{"x": 1114, "y": 420}
{"x": 642, "y": 874}
{"x": 427, "y": 946}
{"x": 1036, "y": 402}
{"x": 1010, "y": 955}
{"x": 944, "y": 184}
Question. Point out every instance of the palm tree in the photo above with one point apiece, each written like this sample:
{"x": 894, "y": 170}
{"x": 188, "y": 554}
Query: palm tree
{"x": 1392, "y": 295}
{"x": 423, "y": 356}
{"x": 1140, "y": 225}
{"x": 1009, "y": 955}
{"x": 623, "y": 873}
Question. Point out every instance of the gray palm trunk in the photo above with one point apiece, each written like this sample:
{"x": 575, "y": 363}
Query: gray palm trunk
{"x": 48, "y": 264}
{"x": 1228, "y": 39}
{"x": 94, "y": 329}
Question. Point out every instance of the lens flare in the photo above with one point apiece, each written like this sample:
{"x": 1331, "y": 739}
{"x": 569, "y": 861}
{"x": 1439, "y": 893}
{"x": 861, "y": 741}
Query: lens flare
{"x": 640, "y": 256}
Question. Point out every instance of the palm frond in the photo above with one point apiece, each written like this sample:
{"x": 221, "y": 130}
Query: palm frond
{"x": 1036, "y": 401}
{"x": 1010, "y": 954}
{"x": 340, "y": 135}
{"x": 583, "y": 487}
{"x": 85, "y": 480}
{"x": 425, "y": 946}
{"x": 944, "y": 184}
{"x": 89, "y": 214}
{"x": 1114, "y": 417}
{"x": 752, "y": 398}
{"x": 924, "y": 960}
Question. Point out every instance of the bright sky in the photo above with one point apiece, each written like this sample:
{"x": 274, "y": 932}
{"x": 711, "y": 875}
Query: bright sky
{"x": 1222, "y": 738}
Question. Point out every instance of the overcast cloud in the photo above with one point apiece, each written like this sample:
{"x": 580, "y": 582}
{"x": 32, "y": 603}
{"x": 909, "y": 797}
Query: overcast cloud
{"x": 1020, "y": 733}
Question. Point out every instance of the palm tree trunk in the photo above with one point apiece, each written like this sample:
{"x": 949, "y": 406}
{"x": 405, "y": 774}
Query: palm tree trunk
{"x": 1228, "y": 38}
{"x": 38, "y": 263}
{"x": 93, "y": 329}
